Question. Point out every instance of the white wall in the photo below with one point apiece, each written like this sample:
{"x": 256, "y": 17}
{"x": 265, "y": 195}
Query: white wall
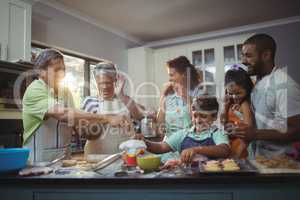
{"x": 288, "y": 47}
{"x": 59, "y": 29}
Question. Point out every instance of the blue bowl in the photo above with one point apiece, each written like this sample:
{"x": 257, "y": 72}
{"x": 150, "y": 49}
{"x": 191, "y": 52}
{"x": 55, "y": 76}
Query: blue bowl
{"x": 12, "y": 159}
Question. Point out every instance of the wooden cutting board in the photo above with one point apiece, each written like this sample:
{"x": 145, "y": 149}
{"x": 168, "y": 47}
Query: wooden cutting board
{"x": 264, "y": 170}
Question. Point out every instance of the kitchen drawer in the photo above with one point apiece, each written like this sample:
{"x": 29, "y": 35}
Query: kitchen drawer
{"x": 133, "y": 195}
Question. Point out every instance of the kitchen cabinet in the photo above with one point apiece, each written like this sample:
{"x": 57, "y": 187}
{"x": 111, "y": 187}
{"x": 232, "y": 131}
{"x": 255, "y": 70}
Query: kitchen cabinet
{"x": 15, "y": 32}
{"x": 203, "y": 187}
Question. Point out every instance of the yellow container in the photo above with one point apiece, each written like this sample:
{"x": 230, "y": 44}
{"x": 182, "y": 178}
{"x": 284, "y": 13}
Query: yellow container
{"x": 148, "y": 162}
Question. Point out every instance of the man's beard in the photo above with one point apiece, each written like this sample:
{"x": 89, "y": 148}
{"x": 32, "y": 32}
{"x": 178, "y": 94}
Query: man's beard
{"x": 254, "y": 70}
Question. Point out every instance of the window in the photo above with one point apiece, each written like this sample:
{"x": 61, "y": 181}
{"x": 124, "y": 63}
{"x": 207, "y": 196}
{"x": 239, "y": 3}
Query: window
{"x": 232, "y": 55}
{"x": 208, "y": 66}
{"x": 93, "y": 85}
{"x": 79, "y": 77}
{"x": 74, "y": 78}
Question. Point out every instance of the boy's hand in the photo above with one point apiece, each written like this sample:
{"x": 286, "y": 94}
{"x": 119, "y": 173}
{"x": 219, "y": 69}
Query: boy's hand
{"x": 187, "y": 155}
{"x": 171, "y": 164}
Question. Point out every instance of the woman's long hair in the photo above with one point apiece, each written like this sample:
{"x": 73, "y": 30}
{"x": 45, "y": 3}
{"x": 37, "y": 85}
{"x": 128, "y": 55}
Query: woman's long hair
{"x": 183, "y": 66}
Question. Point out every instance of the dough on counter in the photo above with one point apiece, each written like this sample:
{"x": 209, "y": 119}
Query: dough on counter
{"x": 230, "y": 165}
{"x": 212, "y": 166}
{"x": 69, "y": 163}
{"x": 34, "y": 171}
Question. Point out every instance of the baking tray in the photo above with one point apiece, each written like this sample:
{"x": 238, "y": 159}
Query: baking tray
{"x": 246, "y": 168}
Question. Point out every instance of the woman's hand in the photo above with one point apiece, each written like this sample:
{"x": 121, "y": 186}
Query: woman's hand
{"x": 168, "y": 88}
{"x": 138, "y": 136}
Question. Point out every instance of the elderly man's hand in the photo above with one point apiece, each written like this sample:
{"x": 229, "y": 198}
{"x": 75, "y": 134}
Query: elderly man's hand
{"x": 121, "y": 81}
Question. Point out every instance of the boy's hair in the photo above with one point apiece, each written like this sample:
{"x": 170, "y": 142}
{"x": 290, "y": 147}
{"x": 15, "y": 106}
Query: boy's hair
{"x": 44, "y": 58}
{"x": 240, "y": 77}
{"x": 263, "y": 42}
{"x": 205, "y": 103}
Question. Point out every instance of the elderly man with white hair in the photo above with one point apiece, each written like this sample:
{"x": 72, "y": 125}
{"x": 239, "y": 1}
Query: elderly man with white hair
{"x": 110, "y": 100}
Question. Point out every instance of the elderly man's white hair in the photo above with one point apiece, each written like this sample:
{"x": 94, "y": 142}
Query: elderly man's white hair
{"x": 105, "y": 68}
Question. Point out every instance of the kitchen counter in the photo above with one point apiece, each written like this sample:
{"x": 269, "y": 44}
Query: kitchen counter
{"x": 105, "y": 185}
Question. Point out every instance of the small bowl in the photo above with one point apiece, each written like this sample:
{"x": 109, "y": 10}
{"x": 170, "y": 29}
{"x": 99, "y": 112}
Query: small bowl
{"x": 148, "y": 162}
{"x": 13, "y": 159}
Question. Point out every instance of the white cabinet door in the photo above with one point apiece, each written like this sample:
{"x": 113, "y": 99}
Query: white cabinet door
{"x": 19, "y": 30}
{"x": 4, "y": 18}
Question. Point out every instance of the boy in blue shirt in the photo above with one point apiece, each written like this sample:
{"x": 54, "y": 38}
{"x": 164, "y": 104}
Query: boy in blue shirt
{"x": 202, "y": 138}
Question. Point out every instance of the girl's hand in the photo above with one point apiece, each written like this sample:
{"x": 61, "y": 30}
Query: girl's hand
{"x": 227, "y": 101}
{"x": 187, "y": 155}
{"x": 236, "y": 107}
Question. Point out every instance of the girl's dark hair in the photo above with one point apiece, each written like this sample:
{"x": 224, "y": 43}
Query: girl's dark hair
{"x": 240, "y": 77}
{"x": 45, "y": 57}
{"x": 181, "y": 64}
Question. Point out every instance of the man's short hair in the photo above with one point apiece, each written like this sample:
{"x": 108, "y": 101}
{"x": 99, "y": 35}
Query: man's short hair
{"x": 44, "y": 58}
{"x": 105, "y": 68}
{"x": 263, "y": 42}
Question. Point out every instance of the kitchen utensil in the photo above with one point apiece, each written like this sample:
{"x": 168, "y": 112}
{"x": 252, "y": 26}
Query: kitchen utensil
{"x": 148, "y": 162}
{"x": 246, "y": 168}
{"x": 131, "y": 158}
{"x": 48, "y": 164}
{"x": 107, "y": 161}
{"x": 13, "y": 159}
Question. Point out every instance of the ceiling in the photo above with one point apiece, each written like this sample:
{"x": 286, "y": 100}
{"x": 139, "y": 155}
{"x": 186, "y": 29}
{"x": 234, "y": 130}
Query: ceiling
{"x": 152, "y": 20}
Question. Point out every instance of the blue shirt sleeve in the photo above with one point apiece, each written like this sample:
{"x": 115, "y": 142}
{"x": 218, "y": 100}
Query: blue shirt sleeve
{"x": 220, "y": 138}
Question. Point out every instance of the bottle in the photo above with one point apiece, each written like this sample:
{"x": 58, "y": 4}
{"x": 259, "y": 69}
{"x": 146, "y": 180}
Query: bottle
{"x": 147, "y": 126}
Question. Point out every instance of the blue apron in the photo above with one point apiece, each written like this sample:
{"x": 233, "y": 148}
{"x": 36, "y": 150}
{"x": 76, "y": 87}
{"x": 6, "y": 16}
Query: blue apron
{"x": 189, "y": 142}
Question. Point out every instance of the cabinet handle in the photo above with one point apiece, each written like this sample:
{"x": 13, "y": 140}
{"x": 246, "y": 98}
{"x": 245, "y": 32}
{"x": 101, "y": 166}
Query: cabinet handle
{"x": 0, "y": 51}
